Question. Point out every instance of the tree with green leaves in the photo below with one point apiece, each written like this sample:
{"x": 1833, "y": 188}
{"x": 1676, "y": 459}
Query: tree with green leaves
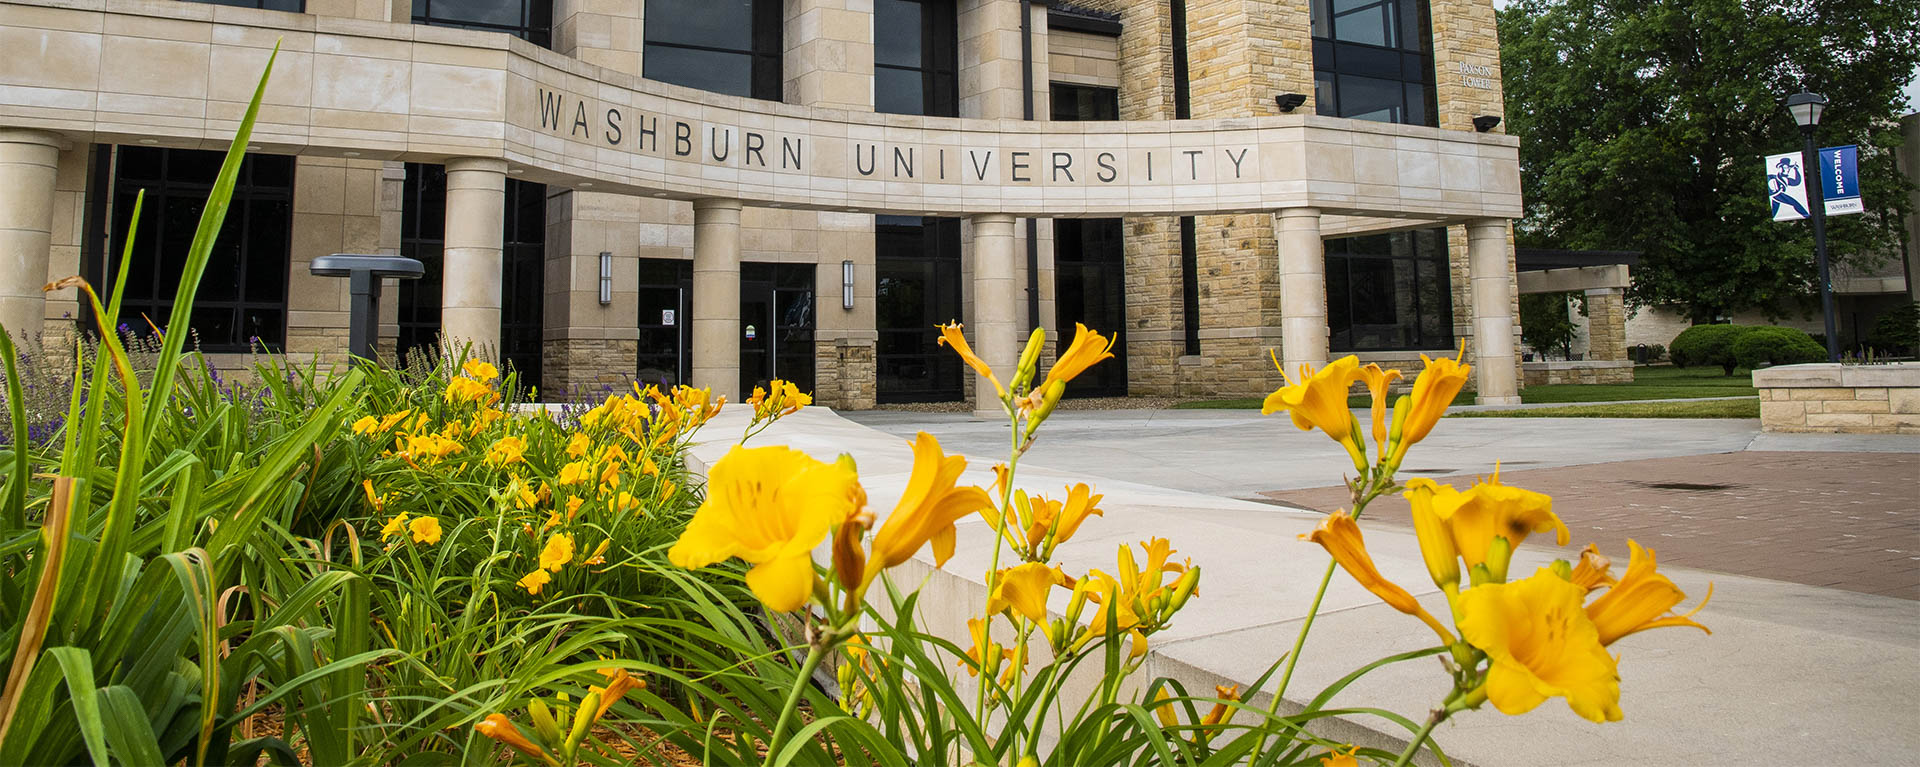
{"x": 1643, "y": 124}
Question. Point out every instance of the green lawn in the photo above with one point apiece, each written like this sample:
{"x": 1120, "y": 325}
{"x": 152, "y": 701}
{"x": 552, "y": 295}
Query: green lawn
{"x": 1648, "y": 383}
{"x": 1718, "y": 408}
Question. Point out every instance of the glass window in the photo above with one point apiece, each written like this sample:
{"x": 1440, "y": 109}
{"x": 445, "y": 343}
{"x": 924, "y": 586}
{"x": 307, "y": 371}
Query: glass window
{"x": 1371, "y": 60}
{"x": 915, "y": 60}
{"x": 918, "y": 265}
{"x": 242, "y": 300}
{"x": 1084, "y": 102}
{"x": 723, "y": 46}
{"x": 530, "y": 20}
{"x": 1389, "y": 292}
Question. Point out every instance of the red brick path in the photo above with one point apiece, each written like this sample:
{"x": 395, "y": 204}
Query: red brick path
{"x": 1841, "y": 520}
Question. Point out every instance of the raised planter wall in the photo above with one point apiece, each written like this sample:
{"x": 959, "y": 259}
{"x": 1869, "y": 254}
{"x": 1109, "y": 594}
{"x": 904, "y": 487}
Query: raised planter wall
{"x": 1827, "y": 397}
{"x": 1577, "y": 372}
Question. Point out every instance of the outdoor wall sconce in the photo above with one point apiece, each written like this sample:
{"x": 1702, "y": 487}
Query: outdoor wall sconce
{"x": 1486, "y": 123}
{"x": 846, "y": 284}
{"x": 364, "y": 274}
{"x": 1290, "y": 101}
{"x": 606, "y": 278}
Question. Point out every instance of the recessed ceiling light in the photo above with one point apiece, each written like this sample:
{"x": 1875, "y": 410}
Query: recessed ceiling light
{"x": 351, "y": 154}
{"x": 586, "y": 185}
{"x": 149, "y": 141}
{"x": 253, "y": 147}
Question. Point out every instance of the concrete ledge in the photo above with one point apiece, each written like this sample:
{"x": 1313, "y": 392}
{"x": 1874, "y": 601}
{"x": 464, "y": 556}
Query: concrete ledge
{"x": 1827, "y": 397}
{"x": 1576, "y": 372}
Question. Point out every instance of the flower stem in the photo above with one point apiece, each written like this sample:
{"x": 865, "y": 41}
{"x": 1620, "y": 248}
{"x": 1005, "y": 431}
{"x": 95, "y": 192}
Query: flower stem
{"x": 1420, "y": 738}
{"x": 815, "y": 653}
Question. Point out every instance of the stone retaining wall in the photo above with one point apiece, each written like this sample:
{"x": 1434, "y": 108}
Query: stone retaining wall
{"x": 1826, "y": 397}
{"x": 1577, "y": 372}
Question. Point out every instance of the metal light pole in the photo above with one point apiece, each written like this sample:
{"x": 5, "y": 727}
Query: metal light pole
{"x": 1806, "y": 108}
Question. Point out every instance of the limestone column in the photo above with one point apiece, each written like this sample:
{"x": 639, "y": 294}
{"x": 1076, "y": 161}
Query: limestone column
{"x": 470, "y": 287}
{"x": 716, "y": 296}
{"x": 996, "y": 319}
{"x": 1492, "y": 312}
{"x": 29, "y": 163}
{"x": 1303, "y": 289}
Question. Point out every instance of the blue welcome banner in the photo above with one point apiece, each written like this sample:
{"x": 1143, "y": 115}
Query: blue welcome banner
{"x": 1840, "y": 179}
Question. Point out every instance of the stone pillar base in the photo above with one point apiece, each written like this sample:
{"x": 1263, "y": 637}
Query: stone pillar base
{"x": 844, "y": 374}
{"x": 587, "y": 369}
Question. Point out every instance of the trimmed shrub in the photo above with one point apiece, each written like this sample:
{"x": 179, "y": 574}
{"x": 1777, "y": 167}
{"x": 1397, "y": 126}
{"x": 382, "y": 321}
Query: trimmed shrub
{"x": 1776, "y": 346}
{"x": 1897, "y": 331}
{"x": 1707, "y": 345}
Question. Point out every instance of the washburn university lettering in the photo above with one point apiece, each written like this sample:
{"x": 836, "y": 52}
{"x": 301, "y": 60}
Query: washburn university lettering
{"x": 708, "y": 143}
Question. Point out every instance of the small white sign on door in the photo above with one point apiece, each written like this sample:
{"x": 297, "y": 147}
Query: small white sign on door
{"x": 666, "y": 317}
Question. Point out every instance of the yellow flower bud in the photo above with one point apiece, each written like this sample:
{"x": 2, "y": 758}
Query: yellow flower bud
{"x": 1183, "y": 590}
{"x": 1029, "y": 359}
{"x": 1049, "y": 401}
{"x": 583, "y": 721}
{"x": 543, "y": 721}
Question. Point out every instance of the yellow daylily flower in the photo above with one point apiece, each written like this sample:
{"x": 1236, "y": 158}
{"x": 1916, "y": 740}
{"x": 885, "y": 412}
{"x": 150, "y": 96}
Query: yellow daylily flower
{"x": 769, "y": 506}
{"x": 927, "y": 509}
{"x": 557, "y": 553}
{"x": 1218, "y": 713}
{"x": 574, "y": 473}
{"x": 1433, "y": 392}
{"x": 623, "y": 502}
{"x": 365, "y": 425}
{"x": 378, "y": 502}
{"x": 1436, "y": 541}
{"x": 1334, "y": 758}
{"x": 599, "y": 555}
{"x": 1640, "y": 600}
{"x": 1340, "y": 536}
{"x": 950, "y": 336}
{"x": 1319, "y": 400}
{"x": 1377, "y": 381}
{"x": 573, "y": 505}
{"x": 425, "y": 530}
{"x": 534, "y": 581}
{"x": 480, "y": 370}
{"x": 1489, "y": 511}
{"x": 468, "y": 390}
{"x": 1024, "y": 588}
{"x": 499, "y": 728}
{"x": 1135, "y": 588}
{"x": 986, "y": 654}
{"x": 506, "y": 450}
{"x": 619, "y": 683}
{"x": 1593, "y": 570}
{"x": 1088, "y": 348}
{"x": 395, "y": 526}
{"x": 578, "y": 445}
{"x": 1540, "y": 644}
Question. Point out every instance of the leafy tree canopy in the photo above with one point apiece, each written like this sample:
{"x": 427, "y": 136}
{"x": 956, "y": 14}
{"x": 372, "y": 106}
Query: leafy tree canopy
{"x": 1643, "y": 124}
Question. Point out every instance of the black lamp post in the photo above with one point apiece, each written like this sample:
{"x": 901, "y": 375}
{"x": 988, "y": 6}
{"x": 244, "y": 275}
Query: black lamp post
{"x": 1806, "y": 108}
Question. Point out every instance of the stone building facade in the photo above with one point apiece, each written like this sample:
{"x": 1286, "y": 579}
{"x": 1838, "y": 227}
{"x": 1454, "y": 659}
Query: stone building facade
{"x": 894, "y": 163}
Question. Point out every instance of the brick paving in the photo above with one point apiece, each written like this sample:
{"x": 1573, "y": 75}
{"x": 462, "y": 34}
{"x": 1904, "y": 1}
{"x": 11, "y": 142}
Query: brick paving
{"x": 1840, "y": 520}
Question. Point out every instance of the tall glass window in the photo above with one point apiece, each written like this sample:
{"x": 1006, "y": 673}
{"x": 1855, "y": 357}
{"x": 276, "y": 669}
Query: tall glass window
{"x": 918, "y": 263}
{"x": 916, "y": 66}
{"x": 530, "y": 20}
{"x": 243, "y": 293}
{"x": 1389, "y": 292}
{"x": 724, "y": 46}
{"x": 1372, "y": 60}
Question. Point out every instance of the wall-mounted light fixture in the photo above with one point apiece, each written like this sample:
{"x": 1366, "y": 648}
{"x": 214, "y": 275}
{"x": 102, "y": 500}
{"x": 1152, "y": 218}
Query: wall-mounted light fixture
{"x": 1485, "y": 123}
{"x": 1290, "y": 101}
{"x": 606, "y": 278}
{"x": 846, "y": 284}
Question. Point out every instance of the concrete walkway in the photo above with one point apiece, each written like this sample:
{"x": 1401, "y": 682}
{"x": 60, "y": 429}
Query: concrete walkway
{"x": 1793, "y": 674}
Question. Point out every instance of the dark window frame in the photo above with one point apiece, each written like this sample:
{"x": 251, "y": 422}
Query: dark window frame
{"x": 522, "y": 265}
{"x": 939, "y": 68}
{"x": 765, "y": 51}
{"x": 1073, "y": 102}
{"x": 164, "y": 264}
{"x": 1341, "y": 260}
{"x": 930, "y": 247}
{"x": 535, "y": 25}
{"x": 1342, "y": 65}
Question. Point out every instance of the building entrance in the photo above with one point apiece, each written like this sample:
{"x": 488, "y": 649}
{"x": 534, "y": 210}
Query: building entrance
{"x": 1089, "y": 287}
{"x": 776, "y": 325}
{"x": 918, "y": 261}
{"x": 666, "y": 322}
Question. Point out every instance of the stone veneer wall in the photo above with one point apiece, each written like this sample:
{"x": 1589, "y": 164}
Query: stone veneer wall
{"x": 1576, "y": 372}
{"x": 1827, "y": 397}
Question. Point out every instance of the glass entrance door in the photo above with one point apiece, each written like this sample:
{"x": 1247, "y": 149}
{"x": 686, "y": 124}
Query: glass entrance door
{"x": 918, "y": 261}
{"x": 1089, "y": 278}
{"x": 666, "y": 322}
{"x": 776, "y": 325}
